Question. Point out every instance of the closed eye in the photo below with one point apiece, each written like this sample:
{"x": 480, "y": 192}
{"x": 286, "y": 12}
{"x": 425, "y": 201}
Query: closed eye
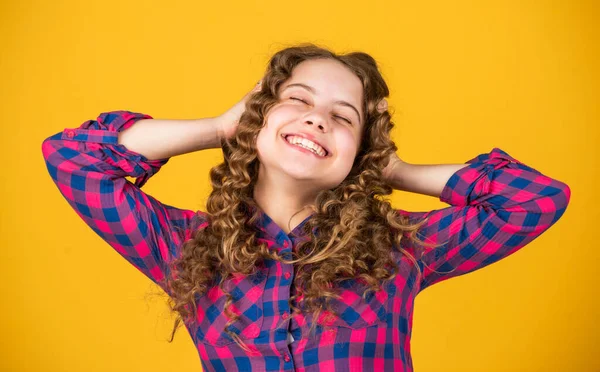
{"x": 298, "y": 99}
{"x": 337, "y": 116}
{"x": 343, "y": 118}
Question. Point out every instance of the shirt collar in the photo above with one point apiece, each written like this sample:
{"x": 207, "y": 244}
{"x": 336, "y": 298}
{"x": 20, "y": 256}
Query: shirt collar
{"x": 270, "y": 229}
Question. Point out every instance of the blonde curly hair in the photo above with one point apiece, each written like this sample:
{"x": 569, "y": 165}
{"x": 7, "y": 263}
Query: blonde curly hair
{"x": 352, "y": 231}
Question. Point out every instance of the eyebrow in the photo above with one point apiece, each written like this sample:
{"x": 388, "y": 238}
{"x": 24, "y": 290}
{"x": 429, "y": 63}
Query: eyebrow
{"x": 312, "y": 90}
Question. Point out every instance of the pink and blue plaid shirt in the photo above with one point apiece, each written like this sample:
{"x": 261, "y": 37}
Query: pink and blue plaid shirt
{"x": 497, "y": 206}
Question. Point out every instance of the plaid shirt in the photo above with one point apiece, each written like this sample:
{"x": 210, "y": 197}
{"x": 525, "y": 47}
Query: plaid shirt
{"x": 497, "y": 206}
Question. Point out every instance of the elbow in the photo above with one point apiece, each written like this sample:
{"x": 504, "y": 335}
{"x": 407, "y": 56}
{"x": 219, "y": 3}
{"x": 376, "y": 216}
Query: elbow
{"x": 49, "y": 145}
{"x": 47, "y": 148}
{"x": 560, "y": 200}
{"x": 563, "y": 196}
{"x": 50, "y": 152}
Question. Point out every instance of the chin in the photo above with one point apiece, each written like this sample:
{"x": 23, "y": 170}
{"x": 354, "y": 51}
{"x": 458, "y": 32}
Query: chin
{"x": 303, "y": 174}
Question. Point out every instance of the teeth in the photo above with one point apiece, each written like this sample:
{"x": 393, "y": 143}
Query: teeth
{"x": 307, "y": 144}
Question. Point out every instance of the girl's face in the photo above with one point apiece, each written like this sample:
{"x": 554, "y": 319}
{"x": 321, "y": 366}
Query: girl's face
{"x": 321, "y": 101}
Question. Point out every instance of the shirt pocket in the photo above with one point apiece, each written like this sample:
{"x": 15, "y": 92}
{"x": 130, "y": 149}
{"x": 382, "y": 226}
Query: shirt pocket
{"x": 355, "y": 312}
{"x": 248, "y": 293}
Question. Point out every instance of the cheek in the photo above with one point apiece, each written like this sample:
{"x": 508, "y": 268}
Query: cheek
{"x": 281, "y": 114}
{"x": 275, "y": 121}
{"x": 346, "y": 145}
{"x": 266, "y": 141}
{"x": 262, "y": 141}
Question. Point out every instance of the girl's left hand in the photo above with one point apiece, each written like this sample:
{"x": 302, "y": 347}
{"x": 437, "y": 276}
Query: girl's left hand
{"x": 393, "y": 166}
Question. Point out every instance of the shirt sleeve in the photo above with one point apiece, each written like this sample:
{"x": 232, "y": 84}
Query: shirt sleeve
{"x": 498, "y": 205}
{"x": 89, "y": 168}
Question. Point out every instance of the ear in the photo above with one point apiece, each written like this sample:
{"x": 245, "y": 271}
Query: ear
{"x": 382, "y": 105}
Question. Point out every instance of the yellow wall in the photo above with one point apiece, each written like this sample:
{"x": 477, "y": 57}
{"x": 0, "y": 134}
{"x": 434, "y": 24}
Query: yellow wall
{"x": 465, "y": 77}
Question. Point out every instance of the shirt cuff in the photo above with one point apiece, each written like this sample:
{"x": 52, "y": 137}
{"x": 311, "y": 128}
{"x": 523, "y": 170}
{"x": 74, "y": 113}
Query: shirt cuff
{"x": 469, "y": 183}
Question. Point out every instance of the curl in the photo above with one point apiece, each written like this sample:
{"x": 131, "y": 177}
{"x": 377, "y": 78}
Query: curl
{"x": 353, "y": 229}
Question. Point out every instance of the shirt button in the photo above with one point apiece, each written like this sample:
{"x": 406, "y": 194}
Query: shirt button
{"x": 286, "y": 275}
{"x": 285, "y": 315}
{"x": 70, "y": 134}
{"x": 286, "y": 358}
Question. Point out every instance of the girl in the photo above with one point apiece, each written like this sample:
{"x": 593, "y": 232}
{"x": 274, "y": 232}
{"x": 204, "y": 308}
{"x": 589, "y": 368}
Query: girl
{"x": 299, "y": 262}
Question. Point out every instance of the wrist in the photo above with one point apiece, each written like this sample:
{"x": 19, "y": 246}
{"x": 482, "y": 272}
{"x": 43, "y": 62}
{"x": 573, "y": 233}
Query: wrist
{"x": 397, "y": 174}
{"x": 219, "y": 128}
{"x": 217, "y": 132}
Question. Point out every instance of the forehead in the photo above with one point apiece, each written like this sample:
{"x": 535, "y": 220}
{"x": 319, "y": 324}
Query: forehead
{"x": 330, "y": 78}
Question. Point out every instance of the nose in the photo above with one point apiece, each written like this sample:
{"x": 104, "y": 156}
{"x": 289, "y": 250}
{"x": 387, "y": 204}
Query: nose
{"x": 319, "y": 125}
{"x": 317, "y": 120}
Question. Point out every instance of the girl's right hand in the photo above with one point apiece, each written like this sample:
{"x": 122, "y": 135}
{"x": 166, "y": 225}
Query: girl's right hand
{"x": 229, "y": 120}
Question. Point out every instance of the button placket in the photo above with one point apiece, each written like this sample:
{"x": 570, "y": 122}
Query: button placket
{"x": 286, "y": 275}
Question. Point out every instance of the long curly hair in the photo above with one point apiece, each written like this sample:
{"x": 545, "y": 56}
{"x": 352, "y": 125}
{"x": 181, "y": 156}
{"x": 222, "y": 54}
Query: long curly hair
{"x": 352, "y": 231}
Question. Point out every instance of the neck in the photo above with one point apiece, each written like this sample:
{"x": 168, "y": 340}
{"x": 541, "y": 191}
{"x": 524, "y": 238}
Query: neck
{"x": 285, "y": 200}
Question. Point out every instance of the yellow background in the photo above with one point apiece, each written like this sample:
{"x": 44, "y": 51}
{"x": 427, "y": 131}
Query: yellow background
{"x": 464, "y": 77}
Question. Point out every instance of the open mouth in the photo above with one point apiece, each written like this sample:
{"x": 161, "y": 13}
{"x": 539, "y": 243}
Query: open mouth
{"x": 305, "y": 146}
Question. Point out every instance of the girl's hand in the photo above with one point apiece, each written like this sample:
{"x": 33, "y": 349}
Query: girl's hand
{"x": 229, "y": 120}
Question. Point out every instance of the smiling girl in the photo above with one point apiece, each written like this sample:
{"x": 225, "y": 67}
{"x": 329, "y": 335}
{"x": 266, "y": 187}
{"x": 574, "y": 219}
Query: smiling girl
{"x": 299, "y": 262}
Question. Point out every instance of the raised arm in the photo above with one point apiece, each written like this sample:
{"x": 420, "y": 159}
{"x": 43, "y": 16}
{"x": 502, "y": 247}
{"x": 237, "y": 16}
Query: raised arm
{"x": 498, "y": 205}
{"x": 89, "y": 164}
